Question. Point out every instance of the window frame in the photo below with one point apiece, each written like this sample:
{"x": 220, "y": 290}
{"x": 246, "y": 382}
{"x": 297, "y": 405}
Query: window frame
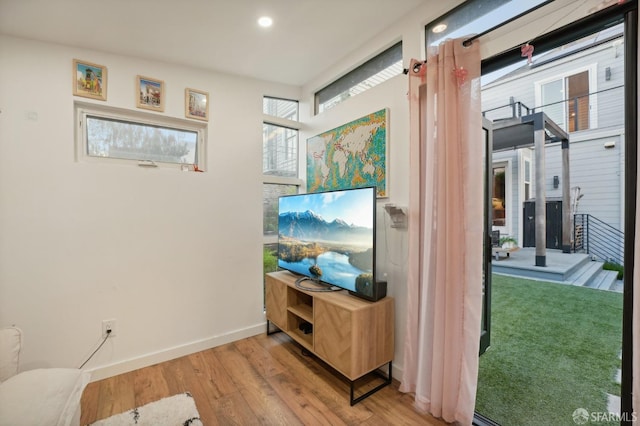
{"x": 276, "y": 179}
{"x": 82, "y": 110}
{"x": 508, "y": 195}
{"x": 592, "y": 70}
{"x": 341, "y": 87}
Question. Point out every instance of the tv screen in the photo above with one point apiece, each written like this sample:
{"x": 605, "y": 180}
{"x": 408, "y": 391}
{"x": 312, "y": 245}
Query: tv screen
{"x": 329, "y": 236}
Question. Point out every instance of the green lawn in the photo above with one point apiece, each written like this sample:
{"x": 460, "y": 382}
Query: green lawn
{"x": 554, "y": 348}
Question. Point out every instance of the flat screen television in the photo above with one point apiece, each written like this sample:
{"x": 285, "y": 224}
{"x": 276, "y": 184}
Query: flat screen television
{"x": 329, "y": 237}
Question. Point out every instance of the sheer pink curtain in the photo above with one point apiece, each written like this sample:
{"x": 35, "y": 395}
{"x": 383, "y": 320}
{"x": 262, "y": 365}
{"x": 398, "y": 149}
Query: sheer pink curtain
{"x": 445, "y": 233}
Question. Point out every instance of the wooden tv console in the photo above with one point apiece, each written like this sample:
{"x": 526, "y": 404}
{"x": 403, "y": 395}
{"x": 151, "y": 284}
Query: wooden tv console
{"x": 352, "y": 335}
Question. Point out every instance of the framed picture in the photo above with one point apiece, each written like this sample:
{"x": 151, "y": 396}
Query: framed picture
{"x": 196, "y": 104}
{"x": 350, "y": 156}
{"x": 150, "y": 93}
{"x": 89, "y": 80}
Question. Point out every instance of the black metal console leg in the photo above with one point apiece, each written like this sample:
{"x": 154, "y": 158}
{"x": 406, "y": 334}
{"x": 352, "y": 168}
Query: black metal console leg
{"x": 387, "y": 381}
{"x": 269, "y": 332}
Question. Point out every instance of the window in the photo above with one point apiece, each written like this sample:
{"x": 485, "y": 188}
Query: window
{"x": 279, "y": 167}
{"x": 567, "y": 101}
{"x": 281, "y": 108}
{"x": 527, "y": 179}
{"x": 113, "y": 134}
{"x": 475, "y": 17}
{"x": 279, "y": 150}
{"x": 499, "y": 196}
{"x": 384, "y": 66}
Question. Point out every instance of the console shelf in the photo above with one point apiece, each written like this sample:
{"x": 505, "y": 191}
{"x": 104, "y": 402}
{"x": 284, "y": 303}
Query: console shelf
{"x": 352, "y": 335}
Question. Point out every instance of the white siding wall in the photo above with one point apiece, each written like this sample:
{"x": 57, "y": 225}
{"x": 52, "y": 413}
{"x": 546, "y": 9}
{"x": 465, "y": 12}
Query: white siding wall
{"x": 598, "y": 171}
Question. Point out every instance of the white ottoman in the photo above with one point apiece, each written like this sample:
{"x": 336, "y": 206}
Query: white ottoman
{"x": 40, "y": 397}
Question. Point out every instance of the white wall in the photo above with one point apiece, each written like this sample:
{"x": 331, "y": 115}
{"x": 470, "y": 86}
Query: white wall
{"x": 175, "y": 257}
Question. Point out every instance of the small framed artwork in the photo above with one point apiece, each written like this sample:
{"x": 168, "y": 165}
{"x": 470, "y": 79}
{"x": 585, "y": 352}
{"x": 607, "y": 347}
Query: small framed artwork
{"x": 89, "y": 80}
{"x": 196, "y": 104}
{"x": 150, "y": 93}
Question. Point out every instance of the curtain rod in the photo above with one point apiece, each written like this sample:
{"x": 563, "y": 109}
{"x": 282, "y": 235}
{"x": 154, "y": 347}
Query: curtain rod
{"x": 416, "y": 67}
{"x": 577, "y": 29}
{"x": 470, "y": 40}
{"x": 583, "y": 26}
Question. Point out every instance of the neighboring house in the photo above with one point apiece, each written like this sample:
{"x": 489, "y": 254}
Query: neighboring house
{"x": 580, "y": 87}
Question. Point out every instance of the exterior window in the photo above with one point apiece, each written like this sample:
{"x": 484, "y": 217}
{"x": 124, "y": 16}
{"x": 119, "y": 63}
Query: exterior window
{"x": 281, "y": 108}
{"x": 279, "y": 150}
{"x": 578, "y": 101}
{"x": 112, "y": 134}
{"x": 527, "y": 180}
{"x": 384, "y": 66}
{"x": 129, "y": 140}
{"x": 270, "y": 194}
{"x": 279, "y": 168}
{"x": 566, "y": 100}
{"x": 499, "y": 197}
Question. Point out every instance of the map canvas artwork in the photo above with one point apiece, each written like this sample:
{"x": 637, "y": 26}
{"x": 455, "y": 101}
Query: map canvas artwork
{"x": 350, "y": 156}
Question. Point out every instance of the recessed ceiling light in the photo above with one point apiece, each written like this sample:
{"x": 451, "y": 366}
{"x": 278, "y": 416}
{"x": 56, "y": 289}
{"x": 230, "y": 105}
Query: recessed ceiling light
{"x": 439, "y": 28}
{"x": 265, "y": 21}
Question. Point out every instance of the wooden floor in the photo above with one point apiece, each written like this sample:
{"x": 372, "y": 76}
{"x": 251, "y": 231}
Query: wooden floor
{"x": 260, "y": 380}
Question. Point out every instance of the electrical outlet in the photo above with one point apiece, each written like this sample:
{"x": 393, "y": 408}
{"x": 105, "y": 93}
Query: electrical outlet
{"x": 107, "y": 325}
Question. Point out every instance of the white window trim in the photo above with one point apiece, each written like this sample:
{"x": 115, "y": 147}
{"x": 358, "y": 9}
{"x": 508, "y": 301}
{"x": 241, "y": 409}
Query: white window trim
{"x": 593, "y": 88}
{"x": 84, "y": 109}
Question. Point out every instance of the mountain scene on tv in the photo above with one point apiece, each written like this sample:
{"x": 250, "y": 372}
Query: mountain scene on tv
{"x": 328, "y": 237}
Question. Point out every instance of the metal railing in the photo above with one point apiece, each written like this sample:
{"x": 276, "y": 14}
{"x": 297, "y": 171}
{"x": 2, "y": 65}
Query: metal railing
{"x": 517, "y": 109}
{"x": 597, "y": 238}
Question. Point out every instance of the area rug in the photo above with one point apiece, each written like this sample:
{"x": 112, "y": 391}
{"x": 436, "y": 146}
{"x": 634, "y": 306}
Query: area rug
{"x": 177, "y": 410}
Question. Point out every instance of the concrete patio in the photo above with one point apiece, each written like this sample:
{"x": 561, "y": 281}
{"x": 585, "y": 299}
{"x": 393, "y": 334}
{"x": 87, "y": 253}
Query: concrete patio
{"x": 565, "y": 268}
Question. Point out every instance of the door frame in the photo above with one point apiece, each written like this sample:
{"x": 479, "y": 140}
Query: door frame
{"x": 626, "y": 12}
{"x": 485, "y": 332}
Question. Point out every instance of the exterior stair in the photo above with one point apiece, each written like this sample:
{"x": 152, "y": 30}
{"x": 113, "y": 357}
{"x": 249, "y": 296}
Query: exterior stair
{"x": 592, "y": 275}
{"x": 577, "y": 269}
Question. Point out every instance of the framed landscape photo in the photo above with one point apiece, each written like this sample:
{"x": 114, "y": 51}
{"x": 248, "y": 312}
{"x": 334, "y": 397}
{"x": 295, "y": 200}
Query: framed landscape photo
{"x": 89, "y": 80}
{"x": 150, "y": 93}
{"x": 196, "y": 104}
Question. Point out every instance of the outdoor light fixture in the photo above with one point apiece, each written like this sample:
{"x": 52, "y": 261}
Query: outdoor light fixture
{"x": 556, "y": 182}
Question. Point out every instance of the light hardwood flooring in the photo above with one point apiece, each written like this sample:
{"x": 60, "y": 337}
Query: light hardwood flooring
{"x": 262, "y": 380}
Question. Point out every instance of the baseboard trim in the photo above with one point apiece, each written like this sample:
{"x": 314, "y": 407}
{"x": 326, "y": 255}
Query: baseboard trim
{"x": 126, "y": 366}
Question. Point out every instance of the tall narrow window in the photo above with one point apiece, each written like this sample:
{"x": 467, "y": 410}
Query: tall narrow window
{"x": 499, "y": 196}
{"x": 553, "y": 102}
{"x": 527, "y": 180}
{"x": 279, "y": 167}
{"x": 578, "y": 101}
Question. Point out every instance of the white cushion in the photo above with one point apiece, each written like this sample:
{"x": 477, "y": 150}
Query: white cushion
{"x": 10, "y": 343}
{"x": 48, "y": 397}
